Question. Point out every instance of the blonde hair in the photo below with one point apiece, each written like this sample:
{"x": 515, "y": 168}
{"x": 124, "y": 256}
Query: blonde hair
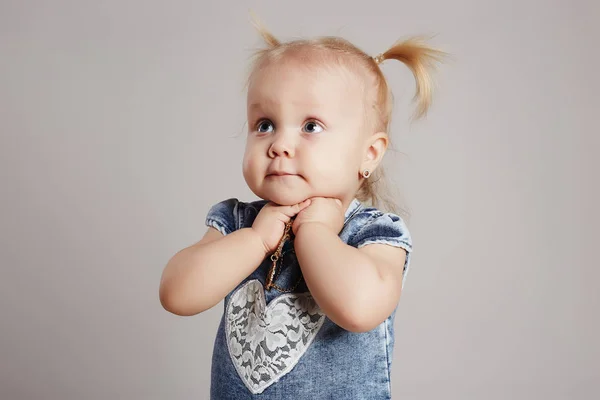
{"x": 413, "y": 52}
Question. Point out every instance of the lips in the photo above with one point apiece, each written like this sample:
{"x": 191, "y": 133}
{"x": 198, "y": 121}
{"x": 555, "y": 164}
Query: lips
{"x": 277, "y": 170}
{"x": 280, "y": 174}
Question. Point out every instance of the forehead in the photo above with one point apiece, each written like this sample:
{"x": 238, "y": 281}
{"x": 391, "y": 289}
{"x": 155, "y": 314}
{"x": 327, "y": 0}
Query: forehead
{"x": 298, "y": 83}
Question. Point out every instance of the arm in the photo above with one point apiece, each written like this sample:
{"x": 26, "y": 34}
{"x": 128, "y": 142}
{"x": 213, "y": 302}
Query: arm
{"x": 356, "y": 288}
{"x": 198, "y": 277}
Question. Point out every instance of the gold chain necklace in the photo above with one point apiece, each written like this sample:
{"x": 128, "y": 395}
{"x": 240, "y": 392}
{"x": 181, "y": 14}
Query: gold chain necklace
{"x": 275, "y": 257}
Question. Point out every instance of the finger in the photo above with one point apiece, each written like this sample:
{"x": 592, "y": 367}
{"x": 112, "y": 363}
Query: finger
{"x": 296, "y": 208}
{"x": 339, "y": 202}
{"x": 290, "y": 211}
{"x": 304, "y": 204}
{"x": 295, "y": 227}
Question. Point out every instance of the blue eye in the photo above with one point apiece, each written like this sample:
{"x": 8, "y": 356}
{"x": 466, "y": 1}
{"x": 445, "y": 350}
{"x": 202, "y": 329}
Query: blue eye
{"x": 312, "y": 127}
{"x": 265, "y": 126}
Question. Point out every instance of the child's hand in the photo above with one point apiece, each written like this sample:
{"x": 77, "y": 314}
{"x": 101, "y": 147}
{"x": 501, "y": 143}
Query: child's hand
{"x": 325, "y": 210}
{"x": 270, "y": 222}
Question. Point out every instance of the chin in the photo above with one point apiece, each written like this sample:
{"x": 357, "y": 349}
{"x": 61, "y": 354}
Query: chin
{"x": 284, "y": 200}
{"x": 283, "y": 197}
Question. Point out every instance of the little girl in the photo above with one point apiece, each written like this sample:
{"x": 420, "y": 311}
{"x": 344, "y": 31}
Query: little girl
{"x": 311, "y": 275}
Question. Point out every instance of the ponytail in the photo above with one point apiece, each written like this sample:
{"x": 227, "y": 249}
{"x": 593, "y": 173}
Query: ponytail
{"x": 421, "y": 59}
{"x": 267, "y": 36}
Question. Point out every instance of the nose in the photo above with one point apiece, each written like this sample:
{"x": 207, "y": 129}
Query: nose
{"x": 281, "y": 147}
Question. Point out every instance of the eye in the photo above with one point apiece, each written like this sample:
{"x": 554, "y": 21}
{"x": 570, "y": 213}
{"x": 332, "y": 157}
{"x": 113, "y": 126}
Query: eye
{"x": 265, "y": 126}
{"x": 312, "y": 127}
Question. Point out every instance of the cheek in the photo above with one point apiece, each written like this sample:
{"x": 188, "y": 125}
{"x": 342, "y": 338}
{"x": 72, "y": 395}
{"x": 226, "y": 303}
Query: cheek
{"x": 337, "y": 157}
{"x": 247, "y": 165}
{"x": 247, "y": 162}
{"x": 251, "y": 162}
{"x": 333, "y": 167}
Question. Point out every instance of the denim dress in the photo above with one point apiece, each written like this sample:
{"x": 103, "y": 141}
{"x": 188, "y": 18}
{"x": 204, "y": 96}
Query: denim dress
{"x": 278, "y": 344}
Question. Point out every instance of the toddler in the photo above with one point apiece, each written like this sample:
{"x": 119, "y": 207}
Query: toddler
{"x": 311, "y": 274}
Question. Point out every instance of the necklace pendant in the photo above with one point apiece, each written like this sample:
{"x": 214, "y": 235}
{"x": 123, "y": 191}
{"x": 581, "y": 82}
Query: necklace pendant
{"x": 277, "y": 254}
{"x": 270, "y": 276}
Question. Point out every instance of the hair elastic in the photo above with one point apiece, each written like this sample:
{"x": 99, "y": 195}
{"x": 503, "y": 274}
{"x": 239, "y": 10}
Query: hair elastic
{"x": 379, "y": 58}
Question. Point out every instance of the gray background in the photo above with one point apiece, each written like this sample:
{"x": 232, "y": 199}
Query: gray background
{"x": 123, "y": 121}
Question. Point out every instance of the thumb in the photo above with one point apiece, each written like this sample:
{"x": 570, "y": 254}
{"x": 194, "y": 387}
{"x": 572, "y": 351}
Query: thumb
{"x": 339, "y": 202}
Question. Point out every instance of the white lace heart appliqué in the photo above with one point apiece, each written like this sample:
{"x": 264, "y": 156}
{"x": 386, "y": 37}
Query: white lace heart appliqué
{"x": 265, "y": 343}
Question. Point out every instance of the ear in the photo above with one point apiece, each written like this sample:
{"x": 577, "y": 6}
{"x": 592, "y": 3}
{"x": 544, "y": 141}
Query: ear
{"x": 376, "y": 145}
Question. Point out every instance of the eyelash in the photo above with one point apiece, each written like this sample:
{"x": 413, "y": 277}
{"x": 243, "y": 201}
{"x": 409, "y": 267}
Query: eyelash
{"x": 308, "y": 121}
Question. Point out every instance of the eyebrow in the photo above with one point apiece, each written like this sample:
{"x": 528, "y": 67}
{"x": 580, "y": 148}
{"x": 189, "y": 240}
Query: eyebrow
{"x": 271, "y": 103}
{"x": 255, "y": 106}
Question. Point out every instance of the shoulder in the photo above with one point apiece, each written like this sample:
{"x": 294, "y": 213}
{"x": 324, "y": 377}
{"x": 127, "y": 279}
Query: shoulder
{"x": 373, "y": 231}
{"x": 369, "y": 225}
{"x": 232, "y": 214}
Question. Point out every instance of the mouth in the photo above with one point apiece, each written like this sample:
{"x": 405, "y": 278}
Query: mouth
{"x": 280, "y": 174}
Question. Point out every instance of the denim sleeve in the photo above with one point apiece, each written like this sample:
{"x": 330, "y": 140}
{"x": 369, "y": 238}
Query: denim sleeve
{"x": 383, "y": 228}
{"x": 223, "y": 216}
